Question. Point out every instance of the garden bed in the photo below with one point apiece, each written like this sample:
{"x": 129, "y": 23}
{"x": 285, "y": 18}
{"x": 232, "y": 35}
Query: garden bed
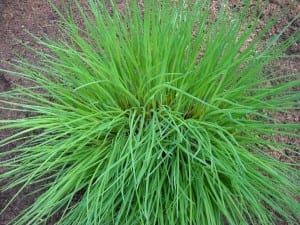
{"x": 19, "y": 16}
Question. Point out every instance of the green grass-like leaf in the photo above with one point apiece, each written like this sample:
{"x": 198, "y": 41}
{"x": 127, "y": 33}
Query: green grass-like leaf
{"x": 158, "y": 116}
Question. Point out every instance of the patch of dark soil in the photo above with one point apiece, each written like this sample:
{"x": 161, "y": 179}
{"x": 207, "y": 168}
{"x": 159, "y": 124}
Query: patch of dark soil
{"x": 4, "y": 83}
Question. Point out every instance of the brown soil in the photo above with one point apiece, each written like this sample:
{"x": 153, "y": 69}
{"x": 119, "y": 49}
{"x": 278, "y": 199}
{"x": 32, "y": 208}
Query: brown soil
{"x": 17, "y": 18}
{"x": 20, "y": 16}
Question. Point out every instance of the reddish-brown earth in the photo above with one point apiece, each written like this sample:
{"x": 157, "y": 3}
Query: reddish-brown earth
{"x": 19, "y": 17}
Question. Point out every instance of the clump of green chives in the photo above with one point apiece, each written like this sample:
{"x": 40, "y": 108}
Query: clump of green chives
{"x": 157, "y": 115}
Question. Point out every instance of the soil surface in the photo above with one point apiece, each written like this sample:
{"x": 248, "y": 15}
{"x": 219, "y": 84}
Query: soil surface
{"x": 19, "y": 17}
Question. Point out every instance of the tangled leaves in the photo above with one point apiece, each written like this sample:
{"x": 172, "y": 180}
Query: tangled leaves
{"x": 156, "y": 116}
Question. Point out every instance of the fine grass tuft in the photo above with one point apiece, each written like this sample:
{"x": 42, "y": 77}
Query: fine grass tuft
{"x": 158, "y": 115}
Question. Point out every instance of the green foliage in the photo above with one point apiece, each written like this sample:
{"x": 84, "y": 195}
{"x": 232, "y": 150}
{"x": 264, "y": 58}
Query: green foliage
{"x": 155, "y": 115}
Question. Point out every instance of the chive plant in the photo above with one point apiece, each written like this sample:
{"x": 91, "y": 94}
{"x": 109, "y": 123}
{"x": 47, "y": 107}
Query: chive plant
{"x": 159, "y": 113}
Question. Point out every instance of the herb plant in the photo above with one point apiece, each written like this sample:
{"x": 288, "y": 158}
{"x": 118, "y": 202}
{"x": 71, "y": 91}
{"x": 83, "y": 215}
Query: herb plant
{"x": 160, "y": 113}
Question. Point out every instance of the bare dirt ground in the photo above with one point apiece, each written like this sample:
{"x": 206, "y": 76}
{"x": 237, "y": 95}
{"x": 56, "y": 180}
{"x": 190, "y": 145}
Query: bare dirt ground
{"x": 19, "y": 17}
